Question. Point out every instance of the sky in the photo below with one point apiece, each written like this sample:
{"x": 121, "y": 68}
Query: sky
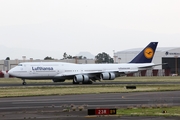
{"x": 40, "y": 28}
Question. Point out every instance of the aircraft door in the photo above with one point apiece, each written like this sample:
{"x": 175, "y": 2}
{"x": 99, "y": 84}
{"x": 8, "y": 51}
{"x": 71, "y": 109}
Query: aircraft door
{"x": 24, "y": 70}
{"x": 61, "y": 69}
{"x": 30, "y": 70}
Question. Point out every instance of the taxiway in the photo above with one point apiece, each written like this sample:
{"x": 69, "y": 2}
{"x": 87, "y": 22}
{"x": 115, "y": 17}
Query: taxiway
{"x": 52, "y": 107}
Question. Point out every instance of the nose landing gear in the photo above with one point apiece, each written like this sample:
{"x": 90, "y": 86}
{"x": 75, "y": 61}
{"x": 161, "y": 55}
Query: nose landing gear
{"x": 24, "y": 82}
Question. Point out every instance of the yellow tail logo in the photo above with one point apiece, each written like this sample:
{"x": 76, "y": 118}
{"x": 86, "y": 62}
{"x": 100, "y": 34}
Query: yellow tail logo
{"x": 148, "y": 53}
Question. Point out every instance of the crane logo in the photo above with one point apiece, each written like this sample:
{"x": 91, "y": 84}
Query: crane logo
{"x": 148, "y": 53}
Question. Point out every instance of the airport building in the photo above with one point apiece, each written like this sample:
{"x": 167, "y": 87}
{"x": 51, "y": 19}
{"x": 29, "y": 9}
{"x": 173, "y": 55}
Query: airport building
{"x": 169, "y": 55}
{"x": 6, "y": 65}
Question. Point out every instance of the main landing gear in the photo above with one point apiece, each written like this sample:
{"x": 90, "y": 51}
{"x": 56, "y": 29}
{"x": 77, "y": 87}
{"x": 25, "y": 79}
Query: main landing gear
{"x": 74, "y": 82}
{"x": 24, "y": 82}
{"x": 88, "y": 82}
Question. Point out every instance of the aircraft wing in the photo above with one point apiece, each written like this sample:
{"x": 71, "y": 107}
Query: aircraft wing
{"x": 150, "y": 66}
{"x": 97, "y": 72}
{"x": 128, "y": 71}
{"x": 72, "y": 73}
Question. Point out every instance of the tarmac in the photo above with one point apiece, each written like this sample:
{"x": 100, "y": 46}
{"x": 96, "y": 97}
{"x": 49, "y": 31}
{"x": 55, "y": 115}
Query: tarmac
{"x": 75, "y": 106}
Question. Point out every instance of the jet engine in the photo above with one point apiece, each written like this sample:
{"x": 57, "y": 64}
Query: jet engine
{"x": 58, "y": 80}
{"x": 81, "y": 78}
{"x": 107, "y": 76}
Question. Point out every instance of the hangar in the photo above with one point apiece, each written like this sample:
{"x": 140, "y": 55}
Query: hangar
{"x": 169, "y": 55}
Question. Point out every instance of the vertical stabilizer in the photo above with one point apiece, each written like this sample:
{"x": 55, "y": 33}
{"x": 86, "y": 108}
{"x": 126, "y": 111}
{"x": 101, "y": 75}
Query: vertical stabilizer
{"x": 146, "y": 55}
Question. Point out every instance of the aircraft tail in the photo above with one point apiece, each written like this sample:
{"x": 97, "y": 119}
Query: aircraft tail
{"x": 146, "y": 55}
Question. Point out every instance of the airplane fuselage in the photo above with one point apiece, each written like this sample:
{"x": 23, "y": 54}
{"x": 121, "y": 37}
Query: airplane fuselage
{"x": 50, "y": 70}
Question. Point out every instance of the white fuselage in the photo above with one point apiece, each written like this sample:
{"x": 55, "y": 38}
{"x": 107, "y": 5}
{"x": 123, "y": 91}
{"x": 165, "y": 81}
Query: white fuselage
{"x": 59, "y": 69}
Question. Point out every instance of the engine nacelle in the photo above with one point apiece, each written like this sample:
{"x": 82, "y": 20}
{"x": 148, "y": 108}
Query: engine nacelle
{"x": 81, "y": 78}
{"x": 107, "y": 76}
{"x": 58, "y": 80}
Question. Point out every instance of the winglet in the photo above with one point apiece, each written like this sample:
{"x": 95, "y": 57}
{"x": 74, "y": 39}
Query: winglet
{"x": 146, "y": 55}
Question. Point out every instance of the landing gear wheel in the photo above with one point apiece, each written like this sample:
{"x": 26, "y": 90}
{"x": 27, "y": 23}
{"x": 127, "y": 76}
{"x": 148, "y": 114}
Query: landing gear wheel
{"x": 75, "y": 82}
{"x": 24, "y": 83}
{"x": 89, "y": 82}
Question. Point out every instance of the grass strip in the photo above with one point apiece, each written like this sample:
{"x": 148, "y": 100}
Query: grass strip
{"x": 80, "y": 89}
{"x": 150, "y": 111}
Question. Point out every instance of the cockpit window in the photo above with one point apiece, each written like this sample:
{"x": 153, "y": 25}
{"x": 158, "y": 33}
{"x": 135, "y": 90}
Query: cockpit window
{"x": 19, "y": 64}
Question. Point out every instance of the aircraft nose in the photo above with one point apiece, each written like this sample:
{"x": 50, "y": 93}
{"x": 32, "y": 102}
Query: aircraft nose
{"x": 10, "y": 72}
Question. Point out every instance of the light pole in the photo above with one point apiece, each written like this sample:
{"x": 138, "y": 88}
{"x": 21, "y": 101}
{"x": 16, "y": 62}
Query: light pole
{"x": 176, "y": 65}
{"x": 119, "y": 59}
{"x": 24, "y": 58}
{"x": 115, "y": 56}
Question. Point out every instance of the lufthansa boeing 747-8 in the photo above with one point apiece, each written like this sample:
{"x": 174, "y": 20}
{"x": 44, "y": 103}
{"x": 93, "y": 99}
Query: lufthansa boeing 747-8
{"x": 84, "y": 73}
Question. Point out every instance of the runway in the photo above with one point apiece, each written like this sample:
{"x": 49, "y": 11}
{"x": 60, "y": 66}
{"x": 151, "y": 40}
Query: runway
{"x": 52, "y": 106}
{"x": 93, "y": 100}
